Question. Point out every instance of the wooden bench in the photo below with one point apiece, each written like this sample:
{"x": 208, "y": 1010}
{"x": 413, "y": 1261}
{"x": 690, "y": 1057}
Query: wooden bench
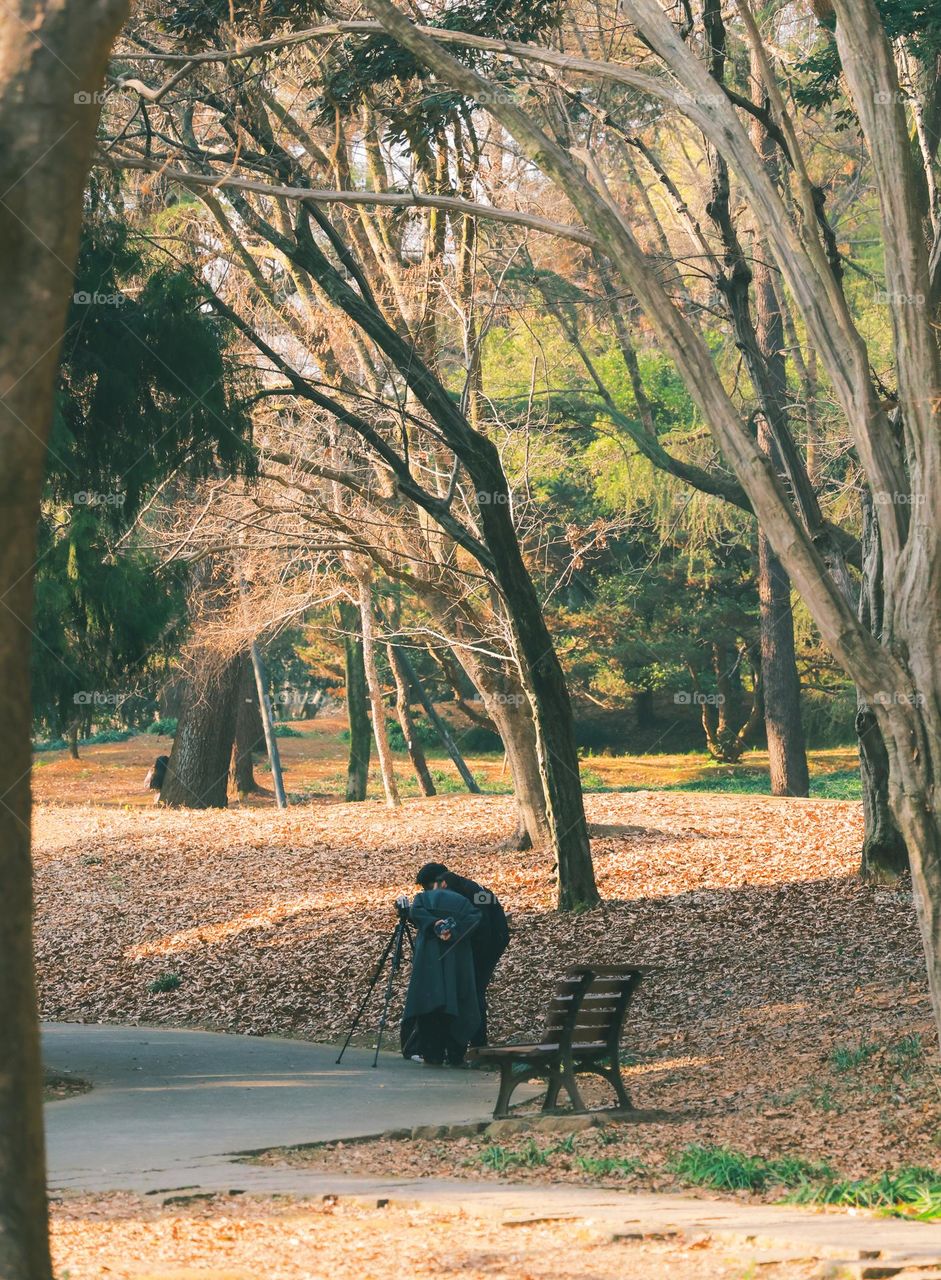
{"x": 582, "y": 1034}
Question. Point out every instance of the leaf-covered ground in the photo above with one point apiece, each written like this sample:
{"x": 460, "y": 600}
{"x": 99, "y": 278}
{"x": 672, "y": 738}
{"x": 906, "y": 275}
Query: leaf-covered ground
{"x": 791, "y": 1013}
{"x": 125, "y": 1238}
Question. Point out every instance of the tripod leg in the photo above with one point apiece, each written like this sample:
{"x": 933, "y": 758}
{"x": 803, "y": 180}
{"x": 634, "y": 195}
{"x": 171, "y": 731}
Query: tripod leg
{"x": 401, "y": 932}
{"x": 369, "y": 990}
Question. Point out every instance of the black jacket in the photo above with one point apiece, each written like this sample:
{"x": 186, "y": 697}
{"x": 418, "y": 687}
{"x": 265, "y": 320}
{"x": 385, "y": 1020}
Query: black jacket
{"x": 443, "y": 979}
{"x": 492, "y": 937}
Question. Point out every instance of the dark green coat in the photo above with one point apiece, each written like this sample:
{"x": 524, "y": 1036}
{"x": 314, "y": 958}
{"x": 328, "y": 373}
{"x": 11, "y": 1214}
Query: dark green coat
{"x": 443, "y": 978}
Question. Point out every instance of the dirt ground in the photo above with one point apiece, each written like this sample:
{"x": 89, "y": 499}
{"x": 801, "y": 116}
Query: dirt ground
{"x": 790, "y": 1015}
{"x": 125, "y": 1238}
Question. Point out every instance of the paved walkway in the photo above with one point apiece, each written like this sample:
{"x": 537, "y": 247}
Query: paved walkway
{"x": 165, "y": 1101}
{"x": 170, "y": 1108}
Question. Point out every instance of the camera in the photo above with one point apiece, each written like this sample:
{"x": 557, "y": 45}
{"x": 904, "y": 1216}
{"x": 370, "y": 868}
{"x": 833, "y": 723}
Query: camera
{"x": 402, "y": 905}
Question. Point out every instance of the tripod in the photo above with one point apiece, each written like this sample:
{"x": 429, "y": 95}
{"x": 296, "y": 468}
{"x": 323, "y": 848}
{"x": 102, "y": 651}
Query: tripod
{"x": 393, "y": 949}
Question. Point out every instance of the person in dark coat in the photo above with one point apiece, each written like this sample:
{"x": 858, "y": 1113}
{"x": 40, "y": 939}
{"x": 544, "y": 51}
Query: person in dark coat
{"x": 488, "y": 942}
{"x": 441, "y": 1001}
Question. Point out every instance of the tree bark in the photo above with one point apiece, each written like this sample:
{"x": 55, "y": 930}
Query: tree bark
{"x": 407, "y": 724}
{"x": 73, "y": 740}
{"x": 357, "y": 712}
{"x": 198, "y": 773}
{"x": 884, "y": 855}
{"x": 787, "y": 754}
{"x": 267, "y": 722}
{"x": 380, "y": 733}
{"x": 52, "y": 60}
{"x": 249, "y": 733}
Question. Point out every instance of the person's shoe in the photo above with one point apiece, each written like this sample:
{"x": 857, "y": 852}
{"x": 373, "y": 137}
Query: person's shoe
{"x": 416, "y": 1057}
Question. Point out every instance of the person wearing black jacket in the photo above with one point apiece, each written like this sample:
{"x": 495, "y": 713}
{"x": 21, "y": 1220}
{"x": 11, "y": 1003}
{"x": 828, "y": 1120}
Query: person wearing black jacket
{"x": 488, "y": 941}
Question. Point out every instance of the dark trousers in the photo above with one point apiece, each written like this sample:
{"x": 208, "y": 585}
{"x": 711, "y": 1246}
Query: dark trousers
{"x": 435, "y": 1042}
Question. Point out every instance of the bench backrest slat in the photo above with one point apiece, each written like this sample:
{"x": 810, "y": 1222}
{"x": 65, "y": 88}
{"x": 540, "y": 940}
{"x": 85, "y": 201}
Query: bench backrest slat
{"x": 590, "y": 1006}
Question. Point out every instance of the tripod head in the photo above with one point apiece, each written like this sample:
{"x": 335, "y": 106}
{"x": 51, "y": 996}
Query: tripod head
{"x": 402, "y": 906}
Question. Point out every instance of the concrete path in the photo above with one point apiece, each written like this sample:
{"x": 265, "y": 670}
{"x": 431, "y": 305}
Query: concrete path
{"x": 165, "y": 1101}
{"x": 169, "y": 1109}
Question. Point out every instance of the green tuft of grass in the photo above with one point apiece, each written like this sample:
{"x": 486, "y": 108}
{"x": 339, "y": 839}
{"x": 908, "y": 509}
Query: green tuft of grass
{"x": 906, "y": 1052}
{"x": 530, "y": 1156}
{"x": 166, "y": 982}
{"x": 728, "y": 1170}
{"x": 849, "y": 1059}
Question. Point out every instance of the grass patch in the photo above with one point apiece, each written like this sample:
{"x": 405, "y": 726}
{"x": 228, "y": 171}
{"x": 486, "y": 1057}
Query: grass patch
{"x": 728, "y": 1170}
{"x": 907, "y": 1193}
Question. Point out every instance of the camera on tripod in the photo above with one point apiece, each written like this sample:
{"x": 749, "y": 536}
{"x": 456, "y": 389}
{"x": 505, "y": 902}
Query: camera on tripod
{"x": 403, "y": 906}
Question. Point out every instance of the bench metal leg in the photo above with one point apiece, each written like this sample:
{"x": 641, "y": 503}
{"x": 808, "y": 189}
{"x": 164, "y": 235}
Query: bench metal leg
{"x": 614, "y": 1075}
{"x": 507, "y": 1085}
{"x": 571, "y": 1088}
{"x": 554, "y": 1084}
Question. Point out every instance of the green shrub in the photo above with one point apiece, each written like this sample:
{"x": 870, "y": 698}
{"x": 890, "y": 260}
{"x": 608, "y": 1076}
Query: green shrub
{"x": 165, "y": 728}
{"x": 108, "y": 735}
{"x": 425, "y": 735}
{"x": 479, "y": 740}
{"x": 287, "y": 731}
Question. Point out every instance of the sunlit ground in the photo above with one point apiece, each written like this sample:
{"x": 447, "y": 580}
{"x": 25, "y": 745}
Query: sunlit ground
{"x": 315, "y": 769}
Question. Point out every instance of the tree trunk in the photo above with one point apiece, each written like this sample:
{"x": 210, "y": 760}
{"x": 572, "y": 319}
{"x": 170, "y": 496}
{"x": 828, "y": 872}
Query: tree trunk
{"x": 884, "y": 856}
{"x": 198, "y": 773}
{"x": 787, "y": 755}
{"x": 357, "y": 711}
{"x": 544, "y": 683}
{"x": 249, "y": 734}
{"x": 787, "y": 751}
{"x": 267, "y": 723}
{"x": 52, "y": 63}
{"x": 380, "y": 733}
{"x": 506, "y": 706}
{"x": 406, "y": 723}
{"x": 73, "y": 740}
{"x": 512, "y": 716}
